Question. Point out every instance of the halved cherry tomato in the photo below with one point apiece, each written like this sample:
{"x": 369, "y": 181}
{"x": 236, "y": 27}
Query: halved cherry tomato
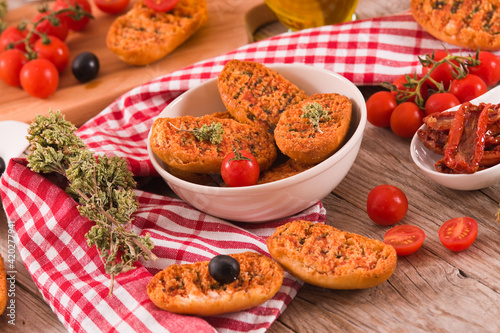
{"x": 74, "y": 24}
{"x": 161, "y": 5}
{"x": 240, "y": 168}
{"x": 488, "y": 69}
{"x": 406, "y": 119}
{"x": 11, "y": 63}
{"x": 406, "y": 239}
{"x": 468, "y": 88}
{"x": 386, "y": 205}
{"x": 39, "y": 78}
{"x": 458, "y": 233}
{"x": 442, "y": 73}
{"x": 58, "y": 28}
{"x": 439, "y": 102}
{"x": 112, "y": 6}
{"x": 379, "y": 107}
{"x": 53, "y": 49}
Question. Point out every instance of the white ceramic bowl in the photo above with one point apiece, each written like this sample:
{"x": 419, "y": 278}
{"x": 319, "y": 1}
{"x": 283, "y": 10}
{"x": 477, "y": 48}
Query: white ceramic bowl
{"x": 426, "y": 159}
{"x": 279, "y": 199}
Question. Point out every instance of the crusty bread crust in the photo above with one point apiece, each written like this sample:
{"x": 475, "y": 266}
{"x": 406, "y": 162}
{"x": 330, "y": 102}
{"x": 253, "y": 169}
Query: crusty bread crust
{"x": 281, "y": 171}
{"x": 142, "y": 35}
{"x": 3, "y": 286}
{"x": 470, "y": 23}
{"x": 298, "y": 138}
{"x": 172, "y": 141}
{"x": 189, "y": 288}
{"x": 327, "y": 257}
{"x": 253, "y": 92}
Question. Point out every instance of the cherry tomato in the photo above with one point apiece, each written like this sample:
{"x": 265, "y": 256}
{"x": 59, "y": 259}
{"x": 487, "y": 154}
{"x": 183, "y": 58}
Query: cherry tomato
{"x": 406, "y": 239}
{"x": 442, "y": 73}
{"x": 58, "y": 28}
{"x": 440, "y": 102}
{"x": 39, "y": 78}
{"x": 406, "y": 119}
{"x": 386, "y": 205}
{"x": 112, "y": 6}
{"x": 240, "y": 168}
{"x": 74, "y": 24}
{"x": 12, "y": 35}
{"x": 53, "y": 49}
{"x": 379, "y": 107}
{"x": 488, "y": 69}
{"x": 402, "y": 80}
{"x": 468, "y": 88}
{"x": 11, "y": 62}
{"x": 458, "y": 233}
{"x": 161, "y": 5}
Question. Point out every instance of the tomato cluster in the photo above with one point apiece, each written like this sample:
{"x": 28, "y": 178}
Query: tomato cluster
{"x": 446, "y": 80}
{"x": 33, "y": 54}
{"x": 387, "y": 205}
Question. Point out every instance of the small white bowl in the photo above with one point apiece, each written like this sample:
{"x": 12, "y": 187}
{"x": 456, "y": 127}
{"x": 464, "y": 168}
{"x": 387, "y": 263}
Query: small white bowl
{"x": 282, "y": 198}
{"x": 426, "y": 159}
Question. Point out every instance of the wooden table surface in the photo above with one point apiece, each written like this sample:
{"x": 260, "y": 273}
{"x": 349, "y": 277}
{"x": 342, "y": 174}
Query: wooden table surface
{"x": 433, "y": 290}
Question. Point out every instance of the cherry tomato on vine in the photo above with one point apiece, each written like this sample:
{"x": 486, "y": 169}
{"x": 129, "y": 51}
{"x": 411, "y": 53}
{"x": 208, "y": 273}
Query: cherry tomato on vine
{"x": 406, "y": 119}
{"x": 458, "y": 233}
{"x": 12, "y": 35}
{"x": 240, "y": 168}
{"x": 11, "y": 63}
{"x": 468, "y": 88}
{"x": 161, "y": 5}
{"x": 73, "y": 24}
{"x": 379, "y": 107}
{"x": 442, "y": 73}
{"x": 53, "y": 49}
{"x": 386, "y": 205}
{"x": 440, "y": 102}
{"x": 112, "y": 6}
{"x": 488, "y": 69}
{"x": 406, "y": 239}
{"x": 39, "y": 78}
{"x": 58, "y": 29}
{"x": 402, "y": 80}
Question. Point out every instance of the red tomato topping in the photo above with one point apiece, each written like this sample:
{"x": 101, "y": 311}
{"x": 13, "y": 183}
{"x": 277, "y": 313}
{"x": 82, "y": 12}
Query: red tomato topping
{"x": 240, "y": 168}
{"x": 458, "y": 233}
{"x": 161, "y": 5}
{"x": 386, "y": 205}
{"x": 112, "y": 6}
{"x": 406, "y": 239}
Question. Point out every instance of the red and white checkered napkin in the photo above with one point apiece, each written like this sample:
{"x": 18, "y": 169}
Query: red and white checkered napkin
{"x": 51, "y": 232}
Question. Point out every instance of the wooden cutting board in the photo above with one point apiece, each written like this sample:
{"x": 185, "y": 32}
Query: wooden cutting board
{"x": 225, "y": 30}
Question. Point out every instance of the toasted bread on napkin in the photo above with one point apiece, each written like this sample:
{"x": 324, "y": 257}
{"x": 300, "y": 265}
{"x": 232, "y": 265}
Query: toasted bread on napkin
{"x": 3, "y": 286}
{"x": 470, "y": 24}
{"x": 326, "y": 257}
{"x": 190, "y": 289}
{"x": 142, "y": 35}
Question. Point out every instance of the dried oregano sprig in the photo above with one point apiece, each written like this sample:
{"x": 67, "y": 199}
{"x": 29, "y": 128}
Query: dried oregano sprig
{"x": 315, "y": 112}
{"x": 102, "y": 185}
{"x": 212, "y": 133}
{"x": 3, "y": 11}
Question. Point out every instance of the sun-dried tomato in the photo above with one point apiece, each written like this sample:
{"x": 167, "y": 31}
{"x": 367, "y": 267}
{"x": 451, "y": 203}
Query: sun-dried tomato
{"x": 466, "y": 138}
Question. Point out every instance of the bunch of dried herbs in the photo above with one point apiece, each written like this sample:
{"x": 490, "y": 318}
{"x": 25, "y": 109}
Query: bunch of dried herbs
{"x": 103, "y": 187}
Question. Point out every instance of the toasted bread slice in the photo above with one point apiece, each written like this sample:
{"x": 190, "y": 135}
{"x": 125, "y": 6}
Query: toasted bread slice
{"x": 143, "y": 36}
{"x": 327, "y": 257}
{"x": 281, "y": 171}
{"x": 189, "y": 288}
{"x": 253, "y": 93}
{"x": 3, "y": 286}
{"x": 312, "y": 130}
{"x": 173, "y": 141}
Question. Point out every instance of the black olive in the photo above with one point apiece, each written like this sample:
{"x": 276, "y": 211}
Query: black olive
{"x": 85, "y": 67}
{"x": 223, "y": 268}
{"x": 2, "y": 166}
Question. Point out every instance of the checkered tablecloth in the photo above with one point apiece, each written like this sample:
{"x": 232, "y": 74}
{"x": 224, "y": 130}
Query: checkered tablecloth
{"x": 51, "y": 232}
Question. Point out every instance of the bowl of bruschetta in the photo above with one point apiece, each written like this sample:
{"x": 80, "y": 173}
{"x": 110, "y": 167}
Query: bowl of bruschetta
{"x": 287, "y": 185}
